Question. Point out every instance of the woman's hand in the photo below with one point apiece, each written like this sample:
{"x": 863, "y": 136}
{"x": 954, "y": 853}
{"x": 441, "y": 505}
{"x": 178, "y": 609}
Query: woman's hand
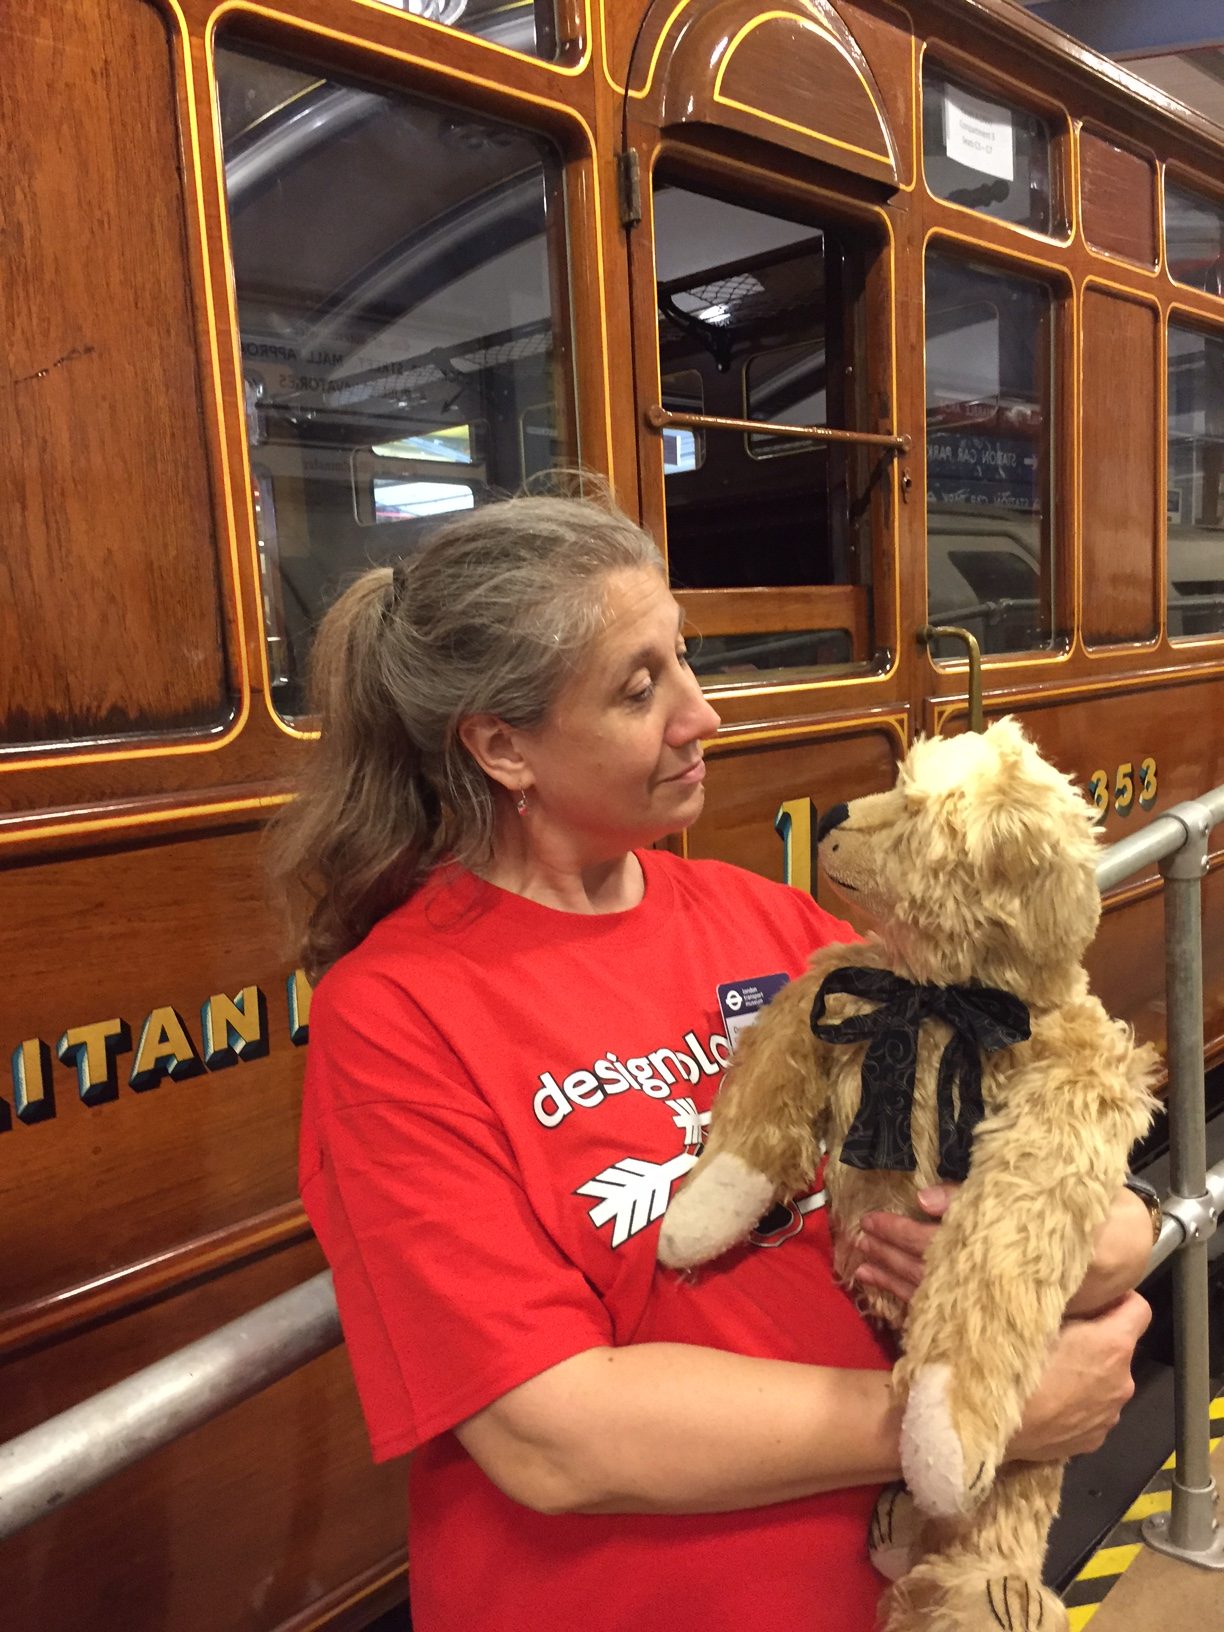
{"x": 1086, "y": 1383}
{"x": 893, "y": 1249}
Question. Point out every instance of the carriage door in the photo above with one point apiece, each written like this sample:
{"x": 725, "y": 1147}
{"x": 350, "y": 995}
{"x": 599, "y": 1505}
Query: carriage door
{"x": 760, "y": 158}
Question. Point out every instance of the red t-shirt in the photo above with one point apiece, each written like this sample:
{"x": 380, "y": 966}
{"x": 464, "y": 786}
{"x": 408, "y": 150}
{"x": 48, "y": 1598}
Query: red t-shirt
{"x": 499, "y": 1100}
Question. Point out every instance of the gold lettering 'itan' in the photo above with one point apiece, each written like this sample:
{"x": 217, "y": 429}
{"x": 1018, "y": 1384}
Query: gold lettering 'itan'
{"x": 92, "y": 1051}
{"x": 234, "y": 1028}
{"x": 33, "y": 1091}
{"x": 164, "y": 1050}
{"x": 299, "y": 1007}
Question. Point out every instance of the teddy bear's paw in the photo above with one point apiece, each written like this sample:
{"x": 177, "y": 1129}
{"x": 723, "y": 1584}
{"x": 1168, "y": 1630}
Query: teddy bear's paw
{"x": 947, "y": 1477}
{"x": 716, "y": 1208}
{"x": 893, "y": 1532}
{"x": 949, "y": 1597}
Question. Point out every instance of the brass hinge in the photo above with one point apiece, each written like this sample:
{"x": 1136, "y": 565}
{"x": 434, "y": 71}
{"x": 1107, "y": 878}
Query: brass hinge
{"x": 629, "y": 187}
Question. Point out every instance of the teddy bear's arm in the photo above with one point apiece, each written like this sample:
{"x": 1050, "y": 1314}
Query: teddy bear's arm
{"x": 1015, "y": 1246}
{"x": 765, "y": 1132}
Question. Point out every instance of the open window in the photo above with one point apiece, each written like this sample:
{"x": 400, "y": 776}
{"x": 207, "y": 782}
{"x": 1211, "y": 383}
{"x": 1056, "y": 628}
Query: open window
{"x": 769, "y": 464}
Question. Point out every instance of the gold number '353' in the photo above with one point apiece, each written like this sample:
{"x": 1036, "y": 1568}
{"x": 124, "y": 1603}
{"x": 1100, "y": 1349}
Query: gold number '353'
{"x": 1127, "y": 785}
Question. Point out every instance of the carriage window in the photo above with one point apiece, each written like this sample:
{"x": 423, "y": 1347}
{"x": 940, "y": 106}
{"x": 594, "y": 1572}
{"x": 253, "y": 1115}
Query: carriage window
{"x": 1196, "y": 482}
{"x": 988, "y": 368}
{"x": 771, "y": 556}
{"x": 401, "y": 297}
{"x": 985, "y": 154}
{"x": 1194, "y": 239}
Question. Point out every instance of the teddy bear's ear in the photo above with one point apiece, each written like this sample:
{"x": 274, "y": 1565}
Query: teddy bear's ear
{"x": 1031, "y": 834}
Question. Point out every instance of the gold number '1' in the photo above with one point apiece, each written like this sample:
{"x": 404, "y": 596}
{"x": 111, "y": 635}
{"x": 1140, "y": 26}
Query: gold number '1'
{"x": 793, "y": 825}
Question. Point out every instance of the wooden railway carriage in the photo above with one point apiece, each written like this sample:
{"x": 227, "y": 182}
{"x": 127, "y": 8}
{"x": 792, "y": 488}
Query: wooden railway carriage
{"x": 880, "y": 316}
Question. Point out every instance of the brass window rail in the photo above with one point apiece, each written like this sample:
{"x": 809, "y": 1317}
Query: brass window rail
{"x": 662, "y": 419}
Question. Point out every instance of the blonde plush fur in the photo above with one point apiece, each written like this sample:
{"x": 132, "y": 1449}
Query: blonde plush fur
{"x": 979, "y": 866}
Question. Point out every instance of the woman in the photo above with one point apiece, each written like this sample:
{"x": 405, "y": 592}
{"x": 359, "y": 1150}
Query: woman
{"x": 512, "y": 1047}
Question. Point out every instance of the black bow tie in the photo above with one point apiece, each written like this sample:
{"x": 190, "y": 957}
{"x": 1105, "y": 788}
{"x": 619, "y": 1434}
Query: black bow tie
{"x": 981, "y": 1017}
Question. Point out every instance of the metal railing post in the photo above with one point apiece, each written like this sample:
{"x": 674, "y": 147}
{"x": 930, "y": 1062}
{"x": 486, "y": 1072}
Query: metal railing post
{"x": 1189, "y": 1530}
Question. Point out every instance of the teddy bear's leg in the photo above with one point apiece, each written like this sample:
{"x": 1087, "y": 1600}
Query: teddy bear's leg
{"x": 984, "y": 1572}
{"x": 893, "y": 1532}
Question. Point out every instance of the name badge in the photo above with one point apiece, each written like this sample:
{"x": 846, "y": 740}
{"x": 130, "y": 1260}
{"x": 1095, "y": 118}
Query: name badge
{"x": 740, "y": 1001}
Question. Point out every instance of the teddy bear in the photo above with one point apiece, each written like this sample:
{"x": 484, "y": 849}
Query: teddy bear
{"x": 959, "y": 1041}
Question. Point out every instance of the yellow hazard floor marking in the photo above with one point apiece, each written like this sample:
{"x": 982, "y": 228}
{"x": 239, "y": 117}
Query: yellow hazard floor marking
{"x": 1110, "y": 1561}
{"x": 1077, "y": 1619}
{"x": 1085, "y": 1595}
{"x": 1155, "y": 1501}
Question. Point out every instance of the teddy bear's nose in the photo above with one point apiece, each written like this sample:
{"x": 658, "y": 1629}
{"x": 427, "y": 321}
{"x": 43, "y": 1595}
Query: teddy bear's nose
{"x": 833, "y": 817}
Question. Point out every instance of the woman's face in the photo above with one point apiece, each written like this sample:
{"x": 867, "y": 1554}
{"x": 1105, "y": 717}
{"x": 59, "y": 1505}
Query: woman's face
{"x": 618, "y": 763}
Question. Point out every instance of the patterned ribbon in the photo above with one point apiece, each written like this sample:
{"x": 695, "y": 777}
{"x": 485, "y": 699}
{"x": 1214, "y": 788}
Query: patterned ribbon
{"x": 981, "y": 1017}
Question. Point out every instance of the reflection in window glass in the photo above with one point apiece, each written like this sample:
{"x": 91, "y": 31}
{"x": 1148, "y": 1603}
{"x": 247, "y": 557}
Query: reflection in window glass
{"x": 683, "y": 448}
{"x": 397, "y": 264}
{"x": 450, "y": 445}
{"x": 755, "y": 310}
{"x": 519, "y": 25}
{"x": 786, "y": 387}
{"x": 1194, "y": 239}
{"x": 400, "y": 501}
{"x": 1196, "y": 482}
{"x": 985, "y": 154}
{"x": 988, "y": 367}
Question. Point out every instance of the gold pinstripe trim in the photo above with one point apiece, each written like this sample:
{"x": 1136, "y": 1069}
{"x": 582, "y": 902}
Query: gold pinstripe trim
{"x": 812, "y": 26}
{"x": 892, "y": 541}
{"x": 448, "y": 74}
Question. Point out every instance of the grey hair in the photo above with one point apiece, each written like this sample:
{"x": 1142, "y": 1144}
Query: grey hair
{"x": 491, "y": 616}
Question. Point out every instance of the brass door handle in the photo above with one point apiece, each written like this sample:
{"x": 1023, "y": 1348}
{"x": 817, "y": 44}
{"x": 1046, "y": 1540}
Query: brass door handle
{"x": 931, "y": 632}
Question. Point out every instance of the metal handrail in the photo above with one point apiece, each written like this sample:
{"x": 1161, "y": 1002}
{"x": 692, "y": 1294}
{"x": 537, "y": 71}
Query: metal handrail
{"x": 69, "y": 1454}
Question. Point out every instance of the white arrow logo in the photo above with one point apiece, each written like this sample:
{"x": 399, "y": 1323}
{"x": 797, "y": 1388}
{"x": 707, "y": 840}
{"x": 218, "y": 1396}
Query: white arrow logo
{"x": 688, "y": 1119}
{"x": 633, "y": 1193}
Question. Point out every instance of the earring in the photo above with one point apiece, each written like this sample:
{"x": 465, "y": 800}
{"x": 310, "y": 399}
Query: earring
{"x": 520, "y": 804}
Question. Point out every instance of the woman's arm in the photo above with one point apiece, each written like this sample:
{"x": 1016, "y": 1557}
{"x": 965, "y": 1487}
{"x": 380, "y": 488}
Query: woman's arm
{"x": 672, "y": 1428}
{"x": 893, "y": 1249}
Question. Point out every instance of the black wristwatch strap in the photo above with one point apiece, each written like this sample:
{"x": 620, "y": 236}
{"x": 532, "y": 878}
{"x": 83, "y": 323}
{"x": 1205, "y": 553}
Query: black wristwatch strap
{"x": 1151, "y": 1200}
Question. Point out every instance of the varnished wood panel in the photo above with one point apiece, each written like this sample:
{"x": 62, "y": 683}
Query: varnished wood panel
{"x": 1120, "y": 441}
{"x": 1118, "y": 199}
{"x": 110, "y": 614}
{"x": 242, "y": 1524}
{"x": 119, "y": 936}
{"x": 748, "y": 781}
{"x": 737, "y": 67}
